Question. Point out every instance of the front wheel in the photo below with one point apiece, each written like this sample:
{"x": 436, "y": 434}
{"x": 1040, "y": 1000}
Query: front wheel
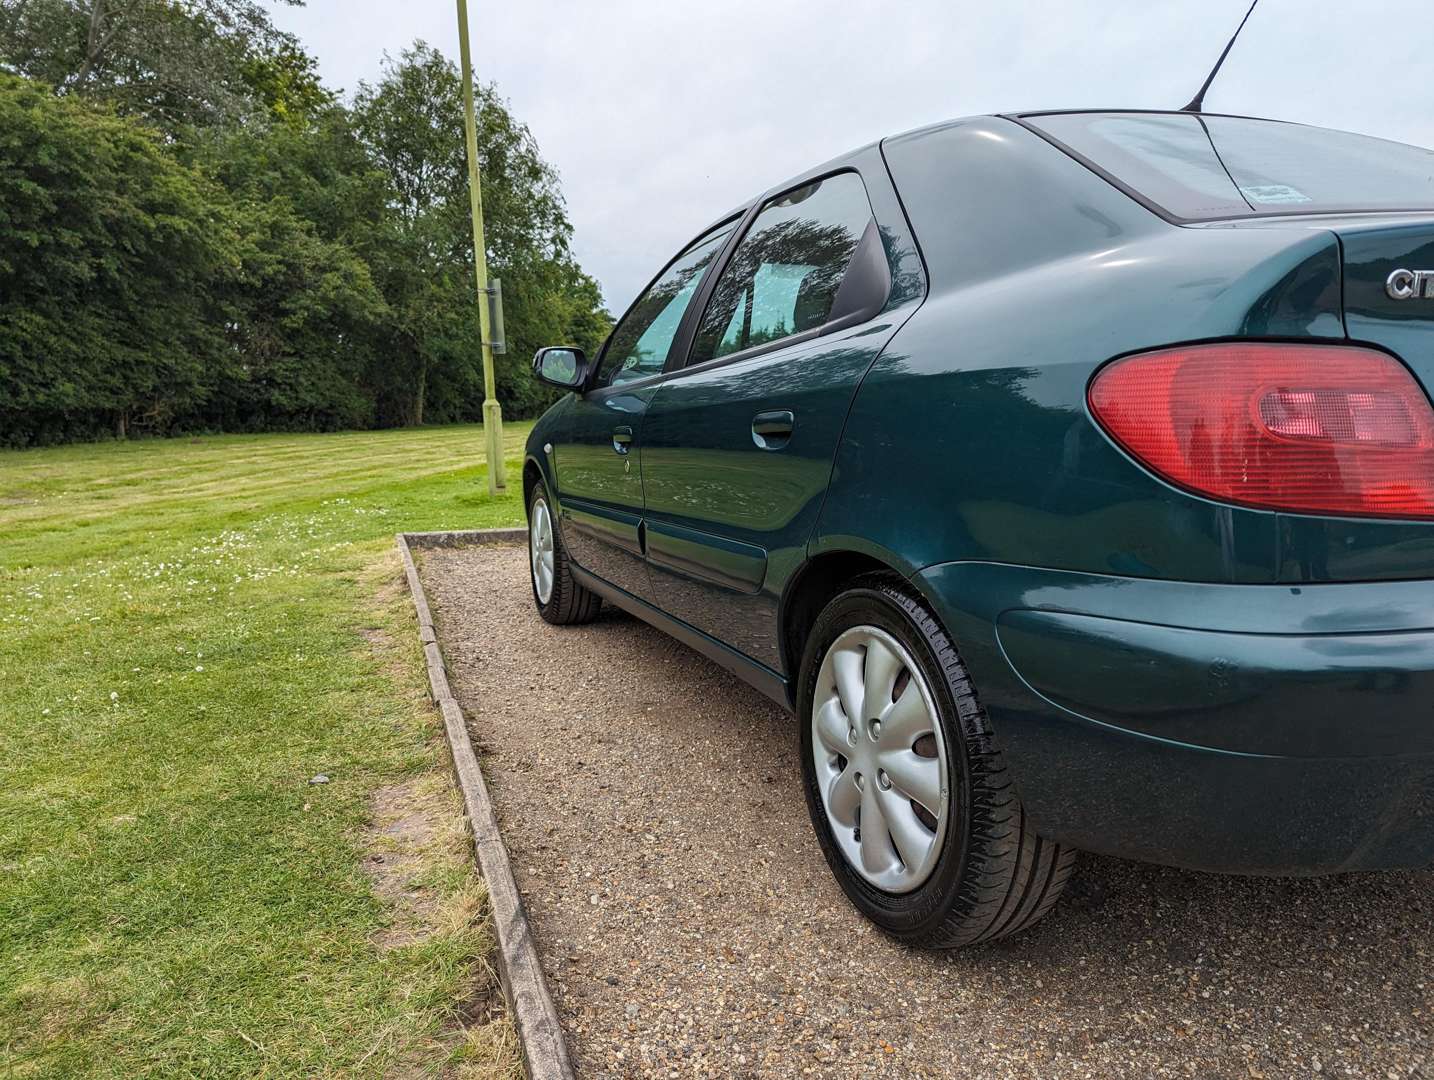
{"x": 912, "y": 803}
{"x": 560, "y": 599}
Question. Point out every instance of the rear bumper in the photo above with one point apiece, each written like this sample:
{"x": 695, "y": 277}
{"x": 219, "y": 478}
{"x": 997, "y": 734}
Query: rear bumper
{"x": 1243, "y": 728}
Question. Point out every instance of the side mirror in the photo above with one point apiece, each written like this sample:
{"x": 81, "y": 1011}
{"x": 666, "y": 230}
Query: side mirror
{"x": 564, "y": 367}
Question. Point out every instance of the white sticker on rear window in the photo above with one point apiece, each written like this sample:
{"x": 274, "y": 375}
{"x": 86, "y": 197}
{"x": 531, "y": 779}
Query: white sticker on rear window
{"x": 1274, "y": 193}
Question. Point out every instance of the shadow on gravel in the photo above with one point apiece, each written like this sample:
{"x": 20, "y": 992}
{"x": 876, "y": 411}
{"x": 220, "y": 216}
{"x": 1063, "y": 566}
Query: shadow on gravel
{"x": 687, "y": 921}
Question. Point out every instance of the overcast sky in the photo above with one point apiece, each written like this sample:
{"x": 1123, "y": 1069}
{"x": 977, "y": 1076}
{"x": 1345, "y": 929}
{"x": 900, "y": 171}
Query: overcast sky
{"x": 662, "y": 114}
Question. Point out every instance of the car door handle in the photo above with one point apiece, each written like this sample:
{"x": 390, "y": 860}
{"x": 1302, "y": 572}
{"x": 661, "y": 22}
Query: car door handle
{"x": 621, "y": 438}
{"x": 772, "y": 430}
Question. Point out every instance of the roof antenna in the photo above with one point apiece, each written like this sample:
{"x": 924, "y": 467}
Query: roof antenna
{"x": 1199, "y": 99}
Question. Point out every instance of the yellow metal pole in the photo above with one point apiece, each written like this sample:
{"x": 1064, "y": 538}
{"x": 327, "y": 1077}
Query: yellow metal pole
{"x": 492, "y": 410}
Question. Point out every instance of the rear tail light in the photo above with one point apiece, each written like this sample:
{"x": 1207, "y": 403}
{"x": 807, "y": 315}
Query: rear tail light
{"x": 1318, "y": 429}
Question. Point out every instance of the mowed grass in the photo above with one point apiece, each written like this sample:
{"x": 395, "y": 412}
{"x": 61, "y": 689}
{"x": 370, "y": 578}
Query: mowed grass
{"x": 190, "y": 631}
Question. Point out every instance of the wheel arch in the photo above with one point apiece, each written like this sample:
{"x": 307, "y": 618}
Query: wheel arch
{"x": 816, "y": 582}
{"x": 534, "y": 472}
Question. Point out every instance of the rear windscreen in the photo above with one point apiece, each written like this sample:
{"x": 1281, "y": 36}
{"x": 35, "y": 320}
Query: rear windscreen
{"x": 1204, "y": 167}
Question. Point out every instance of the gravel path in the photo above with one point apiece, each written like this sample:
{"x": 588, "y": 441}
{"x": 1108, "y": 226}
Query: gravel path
{"x": 689, "y": 927}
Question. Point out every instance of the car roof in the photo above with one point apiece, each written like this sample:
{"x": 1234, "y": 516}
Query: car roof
{"x": 1017, "y": 117}
{"x": 1031, "y": 114}
{"x": 1027, "y": 113}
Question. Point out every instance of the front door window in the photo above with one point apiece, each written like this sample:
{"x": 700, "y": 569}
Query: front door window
{"x": 639, "y": 345}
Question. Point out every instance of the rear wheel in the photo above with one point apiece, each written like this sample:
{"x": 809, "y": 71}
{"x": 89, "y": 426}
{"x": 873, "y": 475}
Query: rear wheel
{"x": 560, "y": 599}
{"x": 912, "y": 803}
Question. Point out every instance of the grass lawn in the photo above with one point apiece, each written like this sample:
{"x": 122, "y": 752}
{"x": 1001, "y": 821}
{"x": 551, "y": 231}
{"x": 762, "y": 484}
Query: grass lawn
{"x": 190, "y": 631}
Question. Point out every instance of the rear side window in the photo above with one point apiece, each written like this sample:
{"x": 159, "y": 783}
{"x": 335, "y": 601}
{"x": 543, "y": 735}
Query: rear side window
{"x": 1207, "y": 167}
{"x": 783, "y": 277}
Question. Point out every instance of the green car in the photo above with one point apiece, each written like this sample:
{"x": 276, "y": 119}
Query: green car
{"x": 1069, "y": 475}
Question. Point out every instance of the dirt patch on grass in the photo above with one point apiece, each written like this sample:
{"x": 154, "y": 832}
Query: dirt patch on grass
{"x": 59, "y": 1006}
{"x": 400, "y": 842}
{"x": 389, "y": 588}
{"x": 416, "y": 858}
{"x": 415, "y": 829}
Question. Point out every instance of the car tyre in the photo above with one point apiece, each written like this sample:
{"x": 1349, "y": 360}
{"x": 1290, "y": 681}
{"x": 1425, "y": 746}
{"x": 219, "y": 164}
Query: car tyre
{"x": 560, "y": 599}
{"x": 984, "y": 872}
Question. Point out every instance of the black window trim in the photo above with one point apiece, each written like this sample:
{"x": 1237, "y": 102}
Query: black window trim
{"x": 677, "y": 359}
{"x": 1023, "y": 119}
{"x": 687, "y": 333}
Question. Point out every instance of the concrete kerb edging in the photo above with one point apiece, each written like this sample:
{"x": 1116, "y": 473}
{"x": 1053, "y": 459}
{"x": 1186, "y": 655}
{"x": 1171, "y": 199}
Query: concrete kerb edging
{"x": 463, "y": 537}
{"x": 534, "y": 1015}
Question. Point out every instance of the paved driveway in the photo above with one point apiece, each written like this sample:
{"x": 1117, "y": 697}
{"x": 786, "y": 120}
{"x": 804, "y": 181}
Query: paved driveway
{"x": 689, "y": 926}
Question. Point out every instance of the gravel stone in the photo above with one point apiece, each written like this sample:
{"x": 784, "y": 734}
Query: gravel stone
{"x": 688, "y": 926}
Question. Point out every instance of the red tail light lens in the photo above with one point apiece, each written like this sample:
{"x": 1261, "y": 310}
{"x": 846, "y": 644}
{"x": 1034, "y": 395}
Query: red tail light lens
{"x": 1318, "y": 429}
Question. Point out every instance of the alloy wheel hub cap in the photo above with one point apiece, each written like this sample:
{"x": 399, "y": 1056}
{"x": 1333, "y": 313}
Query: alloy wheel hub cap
{"x": 881, "y": 761}
{"x": 540, "y": 550}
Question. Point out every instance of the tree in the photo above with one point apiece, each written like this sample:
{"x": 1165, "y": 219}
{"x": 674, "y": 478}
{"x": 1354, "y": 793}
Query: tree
{"x": 267, "y": 257}
{"x": 177, "y": 64}
{"x": 411, "y": 122}
{"x": 108, "y": 252}
{"x": 302, "y": 312}
{"x": 137, "y": 293}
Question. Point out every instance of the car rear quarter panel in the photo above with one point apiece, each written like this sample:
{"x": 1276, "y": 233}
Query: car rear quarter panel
{"x": 970, "y": 439}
